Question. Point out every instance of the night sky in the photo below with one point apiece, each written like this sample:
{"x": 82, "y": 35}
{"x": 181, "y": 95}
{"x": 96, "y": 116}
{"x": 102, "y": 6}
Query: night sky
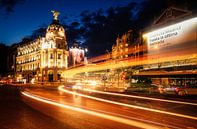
{"x": 20, "y": 17}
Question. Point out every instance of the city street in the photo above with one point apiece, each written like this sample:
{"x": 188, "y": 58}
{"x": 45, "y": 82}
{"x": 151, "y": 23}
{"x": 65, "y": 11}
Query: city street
{"x": 17, "y": 115}
{"x": 111, "y": 64}
{"x": 184, "y": 115}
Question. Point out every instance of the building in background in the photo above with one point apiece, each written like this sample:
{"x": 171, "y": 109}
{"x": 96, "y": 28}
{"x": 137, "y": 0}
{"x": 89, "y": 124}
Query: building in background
{"x": 77, "y": 55}
{"x": 120, "y": 49}
{"x": 45, "y": 58}
{"x": 171, "y": 45}
{"x": 127, "y": 46}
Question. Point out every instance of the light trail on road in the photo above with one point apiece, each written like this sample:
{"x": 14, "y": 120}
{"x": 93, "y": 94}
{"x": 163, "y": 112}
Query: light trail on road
{"x": 61, "y": 88}
{"x": 128, "y": 62}
{"x": 141, "y": 97}
{"x": 102, "y": 115}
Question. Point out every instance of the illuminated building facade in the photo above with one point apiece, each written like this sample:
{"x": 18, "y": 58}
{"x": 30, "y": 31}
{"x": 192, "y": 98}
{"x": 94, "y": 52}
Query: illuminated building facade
{"x": 167, "y": 54}
{"x": 173, "y": 34}
{"x": 45, "y": 58}
{"x": 76, "y": 55}
{"x": 127, "y": 46}
{"x": 172, "y": 44}
{"x": 120, "y": 49}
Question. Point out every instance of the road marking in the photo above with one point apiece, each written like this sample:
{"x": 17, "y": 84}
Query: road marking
{"x": 61, "y": 88}
{"x": 141, "y": 97}
{"x": 106, "y": 116}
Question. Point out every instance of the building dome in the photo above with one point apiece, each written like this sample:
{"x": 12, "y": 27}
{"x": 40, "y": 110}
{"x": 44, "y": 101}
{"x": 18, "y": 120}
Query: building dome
{"x": 55, "y": 34}
{"x": 55, "y": 29}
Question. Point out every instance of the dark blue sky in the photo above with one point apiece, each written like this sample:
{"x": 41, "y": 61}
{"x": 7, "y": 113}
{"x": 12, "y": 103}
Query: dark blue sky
{"x": 30, "y": 14}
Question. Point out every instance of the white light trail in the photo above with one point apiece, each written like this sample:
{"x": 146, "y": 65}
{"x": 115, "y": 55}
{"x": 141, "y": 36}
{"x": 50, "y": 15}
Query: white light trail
{"x": 61, "y": 88}
{"x": 102, "y": 115}
{"x": 141, "y": 97}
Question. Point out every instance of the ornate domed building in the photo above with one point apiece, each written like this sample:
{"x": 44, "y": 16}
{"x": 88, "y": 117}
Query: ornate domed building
{"x": 45, "y": 58}
{"x": 55, "y": 34}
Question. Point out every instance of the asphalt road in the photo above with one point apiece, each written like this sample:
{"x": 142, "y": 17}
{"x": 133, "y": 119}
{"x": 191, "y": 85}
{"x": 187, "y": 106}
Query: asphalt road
{"x": 91, "y": 113}
{"x": 15, "y": 114}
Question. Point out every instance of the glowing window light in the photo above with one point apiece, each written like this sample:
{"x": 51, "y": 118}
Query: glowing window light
{"x": 44, "y": 46}
{"x": 61, "y": 33}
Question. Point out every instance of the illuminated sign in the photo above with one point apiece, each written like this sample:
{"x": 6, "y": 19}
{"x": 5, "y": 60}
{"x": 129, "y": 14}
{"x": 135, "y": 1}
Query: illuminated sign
{"x": 159, "y": 39}
{"x": 174, "y": 39}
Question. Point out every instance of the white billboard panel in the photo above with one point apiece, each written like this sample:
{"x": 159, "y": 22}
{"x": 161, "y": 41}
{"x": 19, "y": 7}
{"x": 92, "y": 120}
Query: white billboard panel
{"x": 173, "y": 40}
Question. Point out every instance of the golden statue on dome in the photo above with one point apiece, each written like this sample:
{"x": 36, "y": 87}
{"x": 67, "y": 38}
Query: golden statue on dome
{"x": 55, "y": 14}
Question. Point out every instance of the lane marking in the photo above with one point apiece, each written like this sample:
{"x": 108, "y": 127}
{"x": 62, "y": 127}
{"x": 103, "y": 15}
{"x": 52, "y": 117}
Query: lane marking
{"x": 141, "y": 97}
{"x": 102, "y": 115}
{"x": 61, "y": 88}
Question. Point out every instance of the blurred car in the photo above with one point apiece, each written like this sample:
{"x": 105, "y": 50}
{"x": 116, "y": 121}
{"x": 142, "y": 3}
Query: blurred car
{"x": 186, "y": 90}
{"x": 74, "y": 86}
{"x": 167, "y": 89}
{"x": 68, "y": 86}
{"x": 77, "y": 87}
{"x": 155, "y": 88}
{"x": 150, "y": 88}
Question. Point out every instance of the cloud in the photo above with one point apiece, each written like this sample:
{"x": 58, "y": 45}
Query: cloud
{"x": 8, "y": 5}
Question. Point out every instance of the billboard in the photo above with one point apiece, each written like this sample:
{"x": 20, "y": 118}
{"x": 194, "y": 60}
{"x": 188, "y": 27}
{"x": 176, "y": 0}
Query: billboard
{"x": 173, "y": 40}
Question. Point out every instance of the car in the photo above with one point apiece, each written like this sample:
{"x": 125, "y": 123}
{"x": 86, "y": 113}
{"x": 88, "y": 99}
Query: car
{"x": 68, "y": 86}
{"x": 167, "y": 89}
{"x": 186, "y": 90}
{"x": 146, "y": 88}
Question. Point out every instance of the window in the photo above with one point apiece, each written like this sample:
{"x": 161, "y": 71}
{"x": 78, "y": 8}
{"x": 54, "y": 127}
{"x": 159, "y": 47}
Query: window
{"x": 58, "y": 45}
{"x": 51, "y": 56}
{"x": 126, "y": 49}
{"x": 59, "y": 56}
{"x": 58, "y": 64}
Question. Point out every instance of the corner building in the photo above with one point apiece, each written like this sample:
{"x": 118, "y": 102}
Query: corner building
{"x": 44, "y": 59}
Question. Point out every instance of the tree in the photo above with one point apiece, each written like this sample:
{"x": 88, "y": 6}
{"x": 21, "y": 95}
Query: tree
{"x": 102, "y": 28}
{"x": 3, "y": 58}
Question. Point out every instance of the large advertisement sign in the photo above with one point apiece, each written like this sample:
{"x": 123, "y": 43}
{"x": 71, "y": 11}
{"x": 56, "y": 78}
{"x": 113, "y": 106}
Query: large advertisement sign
{"x": 173, "y": 40}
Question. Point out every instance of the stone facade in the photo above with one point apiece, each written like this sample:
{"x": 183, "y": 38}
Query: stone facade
{"x": 120, "y": 49}
{"x": 45, "y": 58}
